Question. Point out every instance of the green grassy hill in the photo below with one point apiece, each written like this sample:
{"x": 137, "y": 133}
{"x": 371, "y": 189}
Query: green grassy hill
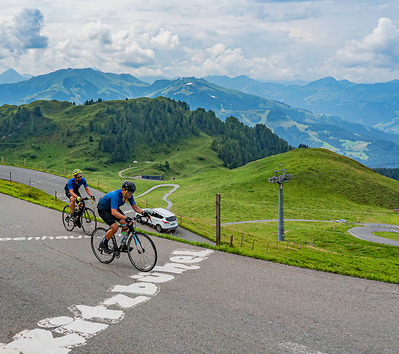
{"x": 109, "y": 132}
{"x": 324, "y": 186}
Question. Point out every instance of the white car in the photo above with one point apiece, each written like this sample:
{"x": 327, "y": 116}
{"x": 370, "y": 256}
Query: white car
{"x": 161, "y": 219}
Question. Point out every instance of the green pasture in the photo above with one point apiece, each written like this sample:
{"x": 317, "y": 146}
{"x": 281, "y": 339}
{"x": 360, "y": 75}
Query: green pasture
{"x": 389, "y": 235}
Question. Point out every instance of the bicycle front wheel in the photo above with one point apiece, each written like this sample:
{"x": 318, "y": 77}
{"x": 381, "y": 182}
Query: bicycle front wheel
{"x": 142, "y": 252}
{"x": 88, "y": 221}
{"x": 66, "y": 218}
{"x": 96, "y": 238}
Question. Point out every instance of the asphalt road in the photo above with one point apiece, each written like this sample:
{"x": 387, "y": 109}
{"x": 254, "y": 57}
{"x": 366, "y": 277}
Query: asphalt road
{"x": 366, "y": 231}
{"x": 54, "y": 185}
{"x": 57, "y": 298}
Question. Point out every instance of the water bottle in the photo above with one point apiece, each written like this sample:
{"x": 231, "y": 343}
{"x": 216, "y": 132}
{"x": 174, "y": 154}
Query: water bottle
{"x": 123, "y": 237}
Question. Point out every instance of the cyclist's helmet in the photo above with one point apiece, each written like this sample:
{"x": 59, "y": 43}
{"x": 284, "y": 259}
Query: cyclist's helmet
{"x": 76, "y": 172}
{"x": 129, "y": 186}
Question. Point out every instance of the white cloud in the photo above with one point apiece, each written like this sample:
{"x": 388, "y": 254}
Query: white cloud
{"x": 97, "y": 31}
{"x": 267, "y": 39}
{"x": 379, "y": 49}
{"x": 21, "y": 33}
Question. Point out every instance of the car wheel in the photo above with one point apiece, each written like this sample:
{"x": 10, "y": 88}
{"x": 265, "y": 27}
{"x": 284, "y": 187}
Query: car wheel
{"x": 159, "y": 228}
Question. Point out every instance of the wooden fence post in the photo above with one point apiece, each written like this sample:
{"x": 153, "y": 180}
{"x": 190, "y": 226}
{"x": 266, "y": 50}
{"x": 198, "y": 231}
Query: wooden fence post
{"x": 217, "y": 219}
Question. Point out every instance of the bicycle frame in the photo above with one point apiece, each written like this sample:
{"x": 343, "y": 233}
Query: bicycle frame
{"x": 131, "y": 232}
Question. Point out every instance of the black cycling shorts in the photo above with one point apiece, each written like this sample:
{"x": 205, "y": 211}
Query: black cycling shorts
{"x": 108, "y": 218}
{"x": 68, "y": 194}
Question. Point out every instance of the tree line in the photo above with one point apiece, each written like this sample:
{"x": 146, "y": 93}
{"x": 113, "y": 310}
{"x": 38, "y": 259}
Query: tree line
{"x": 154, "y": 123}
{"x": 388, "y": 172}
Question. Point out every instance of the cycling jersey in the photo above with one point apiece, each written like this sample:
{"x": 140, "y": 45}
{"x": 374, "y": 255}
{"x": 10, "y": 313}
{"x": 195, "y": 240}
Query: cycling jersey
{"x": 72, "y": 184}
{"x": 113, "y": 200}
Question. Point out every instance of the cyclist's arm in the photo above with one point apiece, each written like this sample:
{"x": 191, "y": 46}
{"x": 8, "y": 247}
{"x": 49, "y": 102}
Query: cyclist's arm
{"x": 118, "y": 215}
{"x": 137, "y": 209}
{"x": 88, "y": 191}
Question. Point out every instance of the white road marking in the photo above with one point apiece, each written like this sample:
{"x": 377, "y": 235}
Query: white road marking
{"x": 44, "y": 238}
{"x": 299, "y": 348}
{"x": 88, "y": 321}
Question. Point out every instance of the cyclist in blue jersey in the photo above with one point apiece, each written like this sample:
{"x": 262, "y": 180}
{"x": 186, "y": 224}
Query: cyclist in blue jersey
{"x": 72, "y": 190}
{"x": 109, "y": 210}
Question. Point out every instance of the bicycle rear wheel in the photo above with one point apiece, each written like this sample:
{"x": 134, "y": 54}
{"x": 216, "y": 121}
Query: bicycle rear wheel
{"x": 142, "y": 252}
{"x": 66, "y": 218}
{"x": 96, "y": 238}
{"x": 88, "y": 221}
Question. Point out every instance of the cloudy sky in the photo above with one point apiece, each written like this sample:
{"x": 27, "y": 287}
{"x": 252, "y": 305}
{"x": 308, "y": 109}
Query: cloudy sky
{"x": 357, "y": 40}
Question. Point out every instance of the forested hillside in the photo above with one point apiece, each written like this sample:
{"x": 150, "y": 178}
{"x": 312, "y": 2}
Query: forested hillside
{"x": 129, "y": 129}
{"x": 388, "y": 172}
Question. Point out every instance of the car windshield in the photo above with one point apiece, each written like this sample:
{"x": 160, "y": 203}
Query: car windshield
{"x": 171, "y": 218}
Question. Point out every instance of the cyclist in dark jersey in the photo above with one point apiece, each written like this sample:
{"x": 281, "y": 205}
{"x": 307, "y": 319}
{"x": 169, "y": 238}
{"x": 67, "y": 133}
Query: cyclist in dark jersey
{"x": 109, "y": 210}
{"x": 72, "y": 190}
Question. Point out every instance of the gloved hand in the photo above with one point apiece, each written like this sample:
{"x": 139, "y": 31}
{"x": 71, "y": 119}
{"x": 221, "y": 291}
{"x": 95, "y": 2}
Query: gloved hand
{"x": 93, "y": 198}
{"x": 128, "y": 220}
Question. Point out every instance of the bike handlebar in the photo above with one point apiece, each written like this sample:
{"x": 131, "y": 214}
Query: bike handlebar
{"x": 134, "y": 218}
{"x": 85, "y": 198}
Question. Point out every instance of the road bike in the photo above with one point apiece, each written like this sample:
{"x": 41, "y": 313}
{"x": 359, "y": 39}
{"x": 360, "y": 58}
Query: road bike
{"x": 140, "y": 248}
{"x": 85, "y": 217}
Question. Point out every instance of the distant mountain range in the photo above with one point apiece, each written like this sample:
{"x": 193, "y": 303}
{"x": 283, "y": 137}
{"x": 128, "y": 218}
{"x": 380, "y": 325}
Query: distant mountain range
{"x": 367, "y": 144}
{"x": 10, "y": 76}
{"x": 373, "y": 105}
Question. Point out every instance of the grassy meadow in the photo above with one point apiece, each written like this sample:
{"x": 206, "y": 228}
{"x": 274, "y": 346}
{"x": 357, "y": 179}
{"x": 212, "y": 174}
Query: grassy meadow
{"x": 325, "y": 187}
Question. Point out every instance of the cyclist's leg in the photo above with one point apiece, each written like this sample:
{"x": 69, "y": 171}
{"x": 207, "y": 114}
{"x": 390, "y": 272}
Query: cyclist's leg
{"x": 72, "y": 202}
{"x": 111, "y": 221}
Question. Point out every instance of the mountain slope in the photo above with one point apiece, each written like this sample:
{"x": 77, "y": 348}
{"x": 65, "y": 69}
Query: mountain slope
{"x": 11, "y": 76}
{"x": 368, "y": 145}
{"x": 373, "y": 105}
{"x": 324, "y": 185}
{"x": 126, "y": 130}
{"x": 73, "y": 85}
